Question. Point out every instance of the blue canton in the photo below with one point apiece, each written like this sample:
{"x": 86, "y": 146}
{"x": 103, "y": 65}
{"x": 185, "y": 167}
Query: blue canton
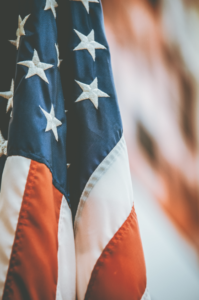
{"x": 65, "y": 109}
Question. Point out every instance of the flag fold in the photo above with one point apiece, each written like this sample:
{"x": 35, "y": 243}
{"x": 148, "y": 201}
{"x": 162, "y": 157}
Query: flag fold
{"x": 67, "y": 220}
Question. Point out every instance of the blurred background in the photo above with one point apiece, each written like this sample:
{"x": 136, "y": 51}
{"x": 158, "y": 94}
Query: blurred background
{"x": 155, "y": 57}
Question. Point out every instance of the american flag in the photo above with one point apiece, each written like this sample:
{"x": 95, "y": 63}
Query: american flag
{"x": 68, "y": 228}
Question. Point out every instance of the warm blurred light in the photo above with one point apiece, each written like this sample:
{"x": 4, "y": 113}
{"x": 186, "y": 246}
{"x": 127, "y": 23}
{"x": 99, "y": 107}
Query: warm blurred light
{"x": 155, "y": 55}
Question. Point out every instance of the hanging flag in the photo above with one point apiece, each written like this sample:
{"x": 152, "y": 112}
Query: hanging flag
{"x": 67, "y": 220}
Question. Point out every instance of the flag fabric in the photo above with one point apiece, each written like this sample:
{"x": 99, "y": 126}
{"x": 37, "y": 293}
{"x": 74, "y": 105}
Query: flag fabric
{"x": 68, "y": 227}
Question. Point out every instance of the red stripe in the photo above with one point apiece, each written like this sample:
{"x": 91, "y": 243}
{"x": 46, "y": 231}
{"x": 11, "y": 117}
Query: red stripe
{"x": 33, "y": 266}
{"x": 120, "y": 272}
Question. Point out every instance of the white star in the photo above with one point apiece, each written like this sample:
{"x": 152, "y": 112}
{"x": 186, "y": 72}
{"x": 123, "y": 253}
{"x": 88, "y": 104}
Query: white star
{"x": 58, "y": 60}
{"x": 88, "y": 42}
{"x": 20, "y": 30}
{"x": 91, "y": 92}
{"x": 52, "y": 122}
{"x": 3, "y": 145}
{"x": 36, "y": 67}
{"x": 9, "y": 95}
{"x": 51, "y": 4}
{"x": 86, "y": 3}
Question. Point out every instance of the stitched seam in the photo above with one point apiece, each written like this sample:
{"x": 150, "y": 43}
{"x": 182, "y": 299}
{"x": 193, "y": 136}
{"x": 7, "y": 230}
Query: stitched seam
{"x": 95, "y": 177}
{"x": 23, "y": 216}
{"x": 42, "y": 160}
{"x": 109, "y": 249}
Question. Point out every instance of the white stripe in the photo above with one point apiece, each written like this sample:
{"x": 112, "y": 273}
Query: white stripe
{"x": 104, "y": 206}
{"x": 66, "y": 285}
{"x": 146, "y": 295}
{"x": 12, "y": 190}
